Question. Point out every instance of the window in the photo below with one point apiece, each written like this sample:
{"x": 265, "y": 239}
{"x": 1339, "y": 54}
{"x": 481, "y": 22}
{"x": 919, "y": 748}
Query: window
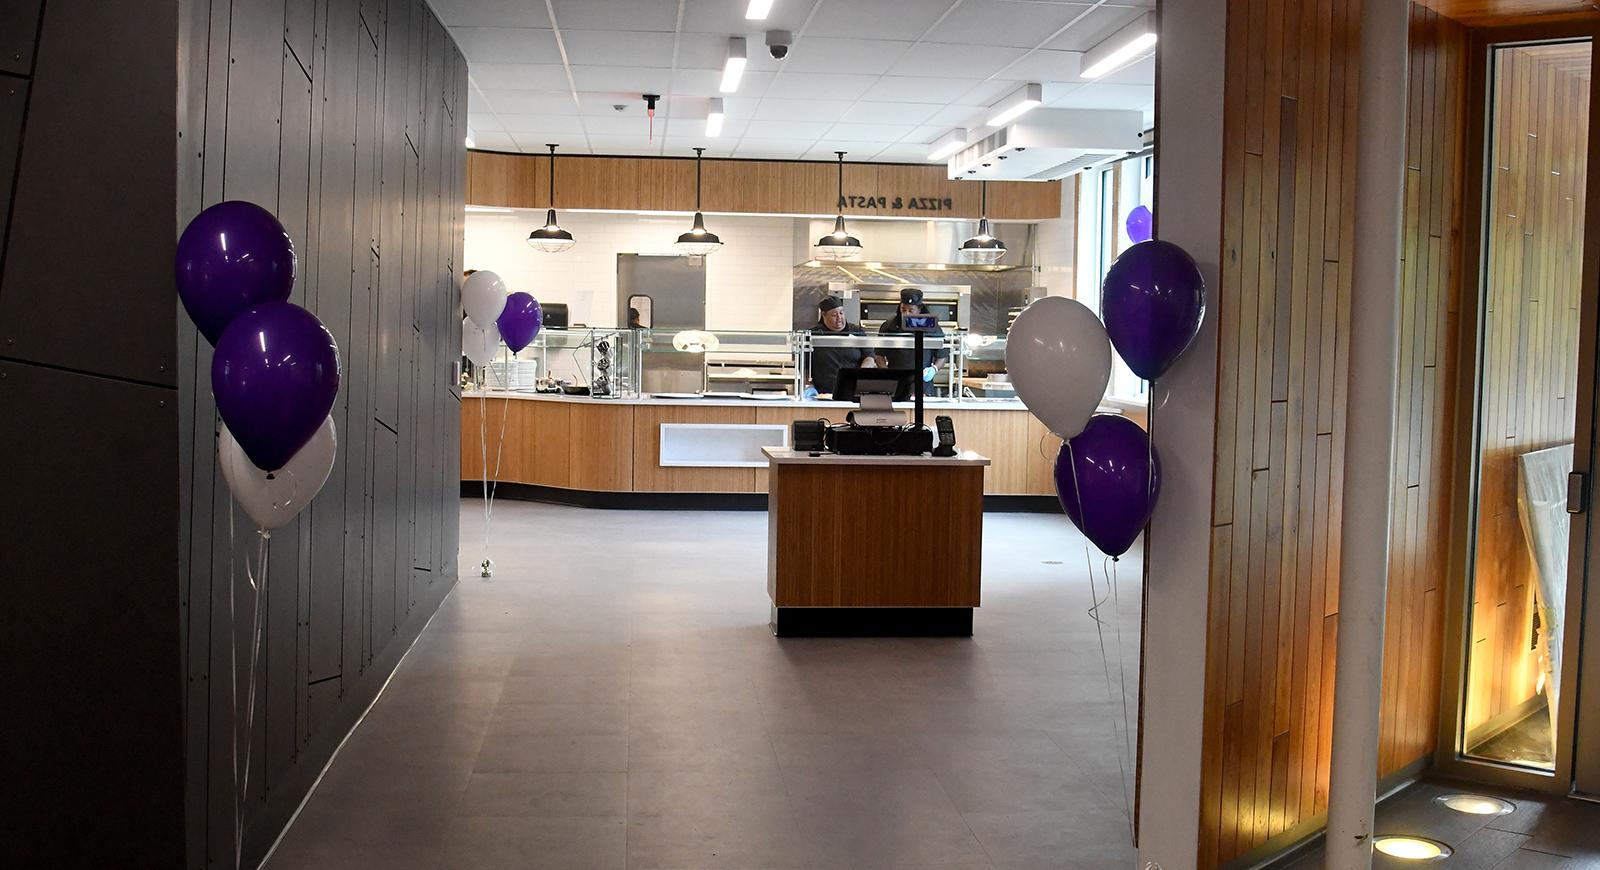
{"x": 1107, "y": 194}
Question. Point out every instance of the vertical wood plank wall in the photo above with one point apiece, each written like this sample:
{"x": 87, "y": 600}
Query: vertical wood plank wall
{"x": 1539, "y": 139}
{"x": 346, "y": 118}
{"x": 1289, "y": 143}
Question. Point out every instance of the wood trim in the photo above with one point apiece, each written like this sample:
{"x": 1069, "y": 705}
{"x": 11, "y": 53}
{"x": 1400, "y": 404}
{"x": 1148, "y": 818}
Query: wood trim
{"x": 1495, "y": 13}
{"x": 746, "y": 187}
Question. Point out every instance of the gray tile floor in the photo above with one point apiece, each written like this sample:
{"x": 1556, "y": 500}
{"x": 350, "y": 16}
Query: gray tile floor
{"x": 613, "y": 698}
{"x": 1548, "y": 833}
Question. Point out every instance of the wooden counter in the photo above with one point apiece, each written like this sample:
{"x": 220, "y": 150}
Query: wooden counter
{"x": 914, "y": 571}
{"x": 614, "y": 445}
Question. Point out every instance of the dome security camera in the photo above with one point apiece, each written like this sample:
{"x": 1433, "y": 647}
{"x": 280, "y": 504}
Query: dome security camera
{"x": 778, "y": 42}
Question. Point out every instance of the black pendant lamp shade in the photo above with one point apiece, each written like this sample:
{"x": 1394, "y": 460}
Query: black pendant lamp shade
{"x": 551, "y": 238}
{"x": 698, "y": 241}
{"x": 839, "y": 244}
{"x": 983, "y": 247}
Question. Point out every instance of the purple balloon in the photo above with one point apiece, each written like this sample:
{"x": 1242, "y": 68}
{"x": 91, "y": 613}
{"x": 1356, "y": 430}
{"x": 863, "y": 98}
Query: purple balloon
{"x": 275, "y": 375}
{"x": 1152, "y": 303}
{"x": 232, "y": 256}
{"x": 1141, "y": 224}
{"x": 521, "y": 320}
{"x": 1108, "y": 477}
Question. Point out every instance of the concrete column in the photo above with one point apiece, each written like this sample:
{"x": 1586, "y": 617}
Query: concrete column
{"x": 1374, "y": 333}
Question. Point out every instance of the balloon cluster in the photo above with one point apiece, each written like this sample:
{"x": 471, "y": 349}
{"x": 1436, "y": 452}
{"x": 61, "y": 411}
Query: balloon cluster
{"x": 275, "y": 368}
{"x": 1107, "y": 472}
{"x": 493, "y": 316}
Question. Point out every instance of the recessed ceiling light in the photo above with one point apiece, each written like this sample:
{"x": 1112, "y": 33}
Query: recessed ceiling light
{"x": 1016, "y": 104}
{"x": 733, "y": 67}
{"x": 758, "y": 10}
{"x": 1476, "y": 804}
{"x": 714, "y": 118}
{"x": 1411, "y": 848}
{"x": 1120, "y": 47}
{"x": 948, "y": 144}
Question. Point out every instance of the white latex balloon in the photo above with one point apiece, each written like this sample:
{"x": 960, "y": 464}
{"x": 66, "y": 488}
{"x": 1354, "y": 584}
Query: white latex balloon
{"x": 1059, "y": 359}
{"x": 273, "y": 498}
{"x": 483, "y": 295}
{"x": 479, "y": 344}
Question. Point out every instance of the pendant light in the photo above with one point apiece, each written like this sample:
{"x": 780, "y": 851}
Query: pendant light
{"x": 699, "y": 241}
{"x": 551, "y": 238}
{"x": 838, "y": 245}
{"x": 983, "y": 247}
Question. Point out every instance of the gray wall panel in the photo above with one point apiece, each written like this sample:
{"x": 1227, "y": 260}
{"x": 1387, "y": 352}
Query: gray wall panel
{"x": 19, "y": 26}
{"x": 365, "y": 179}
{"x": 13, "y": 102}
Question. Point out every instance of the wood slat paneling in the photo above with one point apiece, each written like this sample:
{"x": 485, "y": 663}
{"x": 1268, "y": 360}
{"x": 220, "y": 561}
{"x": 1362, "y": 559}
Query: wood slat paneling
{"x": 744, "y": 186}
{"x": 1285, "y": 295}
{"x": 1484, "y": 13}
{"x": 1530, "y": 338}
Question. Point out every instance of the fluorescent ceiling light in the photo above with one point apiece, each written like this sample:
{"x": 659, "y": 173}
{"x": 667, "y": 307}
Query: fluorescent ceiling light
{"x": 758, "y": 10}
{"x": 948, "y": 144}
{"x": 1120, "y": 47}
{"x": 1018, "y": 102}
{"x": 714, "y": 118}
{"x": 733, "y": 69}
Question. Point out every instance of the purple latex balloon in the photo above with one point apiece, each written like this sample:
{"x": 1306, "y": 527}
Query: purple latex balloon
{"x": 1141, "y": 224}
{"x": 275, "y": 375}
{"x": 1108, "y": 478}
{"x": 232, "y": 256}
{"x": 521, "y": 320}
{"x": 1152, "y": 303}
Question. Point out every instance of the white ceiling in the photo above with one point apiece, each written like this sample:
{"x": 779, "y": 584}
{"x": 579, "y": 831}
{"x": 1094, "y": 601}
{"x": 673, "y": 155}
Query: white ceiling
{"x": 877, "y": 78}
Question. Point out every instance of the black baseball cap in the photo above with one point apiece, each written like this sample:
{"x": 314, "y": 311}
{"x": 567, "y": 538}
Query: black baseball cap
{"x": 910, "y": 296}
{"x": 829, "y": 303}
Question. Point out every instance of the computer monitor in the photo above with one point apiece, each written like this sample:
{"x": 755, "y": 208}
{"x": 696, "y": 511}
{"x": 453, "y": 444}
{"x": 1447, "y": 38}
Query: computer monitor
{"x": 852, "y": 383}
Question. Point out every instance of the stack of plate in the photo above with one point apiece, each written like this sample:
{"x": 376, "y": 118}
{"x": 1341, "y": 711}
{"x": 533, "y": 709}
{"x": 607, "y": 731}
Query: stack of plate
{"x": 520, "y": 375}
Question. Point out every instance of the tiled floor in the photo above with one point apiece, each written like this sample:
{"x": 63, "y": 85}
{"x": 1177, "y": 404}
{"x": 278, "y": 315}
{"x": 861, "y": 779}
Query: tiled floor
{"x": 613, "y": 698}
{"x": 1543, "y": 833}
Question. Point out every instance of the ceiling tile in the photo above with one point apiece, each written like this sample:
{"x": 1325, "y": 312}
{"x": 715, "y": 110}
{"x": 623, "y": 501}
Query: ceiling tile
{"x": 772, "y": 149}
{"x": 957, "y": 116}
{"x": 955, "y": 60}
{"x": 807, "y": 130}
{"x": 904, "y": 153}
{"x": 855, "y": 152}
{"x": 659, "y": 15}
{"x": 902, "y": 19}
{"x": 571, "y": 143}
{"x": 611, "y": 48}
{"x": 1045, "y": 65}
{"x": 889, "y": 113}
{"x": 491, "y": 13}
{"x": 683, "y": 146}
{"x": 530, "y": 103}
{"x": 1099, "y": 95}
{"x": 819, "y": 86}
{"x": 604, "y": 104}
{"x": 506, "y": 45}
{"x": 800, "y": 110}
{"x": 622, "y": 125}
{"x": 829, "y": 55}
{"x": 926, "y": 134}
{"x": 698, "y": 82}
{"x": 907, "y": 89}
{"x": 1006, "y": 22}
{"x": 494, "y": 140}
{"x": 483, "y": 122}
{"x": 870, "y": 132}
{"x": 622, "y": 144}
{"x": 1095, "y": 26}
{"x": 707, "y": 51}
{"x": 741, "y": 107}
{"x": 519, "y": 76}
{"x": 632, "y": 80}
{"x": 476, "y": 102}
{"x": 1140, "y": 72}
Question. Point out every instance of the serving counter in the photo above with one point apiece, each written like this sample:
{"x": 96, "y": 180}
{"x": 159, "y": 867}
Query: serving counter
{"x": 569, "y": 448}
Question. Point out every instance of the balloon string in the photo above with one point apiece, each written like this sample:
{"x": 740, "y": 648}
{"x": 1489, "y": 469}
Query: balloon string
{"x": 260, "y": 587}
{"x": 483, "y": 452}
{"x": 1112, "y": 580}
{"x": 1099, "y": 600}
{"x": 233, "y": 691}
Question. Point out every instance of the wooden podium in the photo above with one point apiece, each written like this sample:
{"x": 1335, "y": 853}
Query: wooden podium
{"x": 873, "y": 545}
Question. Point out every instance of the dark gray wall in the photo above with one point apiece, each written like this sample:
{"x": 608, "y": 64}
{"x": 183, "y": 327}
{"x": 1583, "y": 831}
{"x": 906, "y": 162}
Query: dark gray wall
{"x": 350, "y": 128}
{"x": 91, "y": 763}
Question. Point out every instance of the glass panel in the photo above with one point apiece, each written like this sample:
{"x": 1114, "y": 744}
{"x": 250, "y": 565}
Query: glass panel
{"x": 1527, "y": 381}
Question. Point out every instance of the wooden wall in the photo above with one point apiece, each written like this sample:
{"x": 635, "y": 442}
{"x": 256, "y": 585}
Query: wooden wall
{"x": 749, "y": 186}
{"x": 1289, "y": 176}
{"x": 345, "y": 118}
{"x": 1484, "y": 13}
{"x": 1539, "y": 138}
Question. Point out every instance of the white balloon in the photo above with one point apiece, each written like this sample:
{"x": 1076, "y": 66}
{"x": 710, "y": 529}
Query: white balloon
{"x": 1059, "y": 359}
{"x": 479, "y": 344}
{"x": 483, "y": 295}
{"x": 273, "y": 498}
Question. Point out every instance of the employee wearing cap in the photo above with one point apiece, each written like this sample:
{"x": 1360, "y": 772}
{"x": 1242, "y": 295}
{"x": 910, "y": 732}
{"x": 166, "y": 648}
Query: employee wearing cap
{"x": 903, "y": 357}
{"x": 827, "y": 361}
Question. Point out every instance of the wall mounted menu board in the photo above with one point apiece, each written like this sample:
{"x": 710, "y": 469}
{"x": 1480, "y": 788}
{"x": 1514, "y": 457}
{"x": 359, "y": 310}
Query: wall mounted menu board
{"x": 749, "y": 186}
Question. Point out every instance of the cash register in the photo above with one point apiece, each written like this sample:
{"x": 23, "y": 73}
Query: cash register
{"x": 876, "y": 427}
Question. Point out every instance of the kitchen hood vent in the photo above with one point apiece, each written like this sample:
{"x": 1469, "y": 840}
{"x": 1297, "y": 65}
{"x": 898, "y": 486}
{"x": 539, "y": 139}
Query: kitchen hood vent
{"x": 1047, "y": 144}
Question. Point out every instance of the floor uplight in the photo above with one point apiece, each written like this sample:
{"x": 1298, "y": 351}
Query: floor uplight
{"x": 1476, "y": 804}
{"x": 1411, "y": 848}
